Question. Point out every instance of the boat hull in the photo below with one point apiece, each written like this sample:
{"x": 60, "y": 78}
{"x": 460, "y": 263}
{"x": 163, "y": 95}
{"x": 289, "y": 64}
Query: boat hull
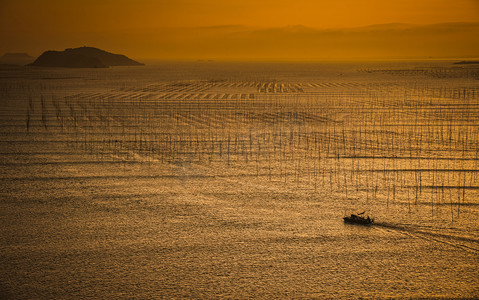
{"x": 359, "y": 221}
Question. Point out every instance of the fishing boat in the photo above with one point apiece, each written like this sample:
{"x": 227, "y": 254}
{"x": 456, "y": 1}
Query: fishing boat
{"x": 358, "y": 219}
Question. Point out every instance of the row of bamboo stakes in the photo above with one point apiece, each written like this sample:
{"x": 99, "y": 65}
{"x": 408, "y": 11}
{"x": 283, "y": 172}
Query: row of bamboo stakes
{"x": 413, "y": 146}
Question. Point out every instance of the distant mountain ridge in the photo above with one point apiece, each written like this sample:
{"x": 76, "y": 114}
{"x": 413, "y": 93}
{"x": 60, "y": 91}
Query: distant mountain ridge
{"x": 83, "y": 57}
{"x": 298, "y": 42}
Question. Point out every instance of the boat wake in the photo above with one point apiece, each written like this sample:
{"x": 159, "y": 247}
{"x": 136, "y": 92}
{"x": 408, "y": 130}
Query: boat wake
{"x": 453, "y": 239}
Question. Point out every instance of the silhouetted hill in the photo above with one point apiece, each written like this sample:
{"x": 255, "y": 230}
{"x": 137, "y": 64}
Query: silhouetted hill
{"x": 83, "y": 57}
{"x": 20, "y": 59}
{"x": 467, "y": 62}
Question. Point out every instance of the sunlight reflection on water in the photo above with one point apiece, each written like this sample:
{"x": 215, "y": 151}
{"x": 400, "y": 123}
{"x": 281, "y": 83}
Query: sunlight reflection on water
{"x": 107, "y": 205}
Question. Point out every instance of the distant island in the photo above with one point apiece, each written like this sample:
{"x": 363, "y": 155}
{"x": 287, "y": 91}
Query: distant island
{"x": 467, "y": 62}
{"x": 83, "y": 57}
{"x": 17, "y": 59}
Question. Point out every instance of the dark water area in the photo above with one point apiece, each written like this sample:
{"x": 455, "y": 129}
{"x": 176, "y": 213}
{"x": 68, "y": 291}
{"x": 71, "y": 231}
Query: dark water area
{"x": 230, "y": 180}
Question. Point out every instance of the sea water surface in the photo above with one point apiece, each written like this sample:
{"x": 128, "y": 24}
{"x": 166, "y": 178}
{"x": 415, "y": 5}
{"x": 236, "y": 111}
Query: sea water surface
{"x": 230, "y": 180}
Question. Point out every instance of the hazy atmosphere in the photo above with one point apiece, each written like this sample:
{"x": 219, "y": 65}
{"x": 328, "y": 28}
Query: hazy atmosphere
{"x": 239, "y": 149}
{"x": 245, "y": 30}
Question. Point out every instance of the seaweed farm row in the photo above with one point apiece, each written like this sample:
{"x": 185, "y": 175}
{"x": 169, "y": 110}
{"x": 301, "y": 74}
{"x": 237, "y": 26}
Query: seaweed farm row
{"x": 414, "y": 146}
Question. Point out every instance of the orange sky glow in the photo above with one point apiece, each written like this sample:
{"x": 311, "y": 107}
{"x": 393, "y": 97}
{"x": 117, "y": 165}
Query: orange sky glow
{"x": 136, "y": 27}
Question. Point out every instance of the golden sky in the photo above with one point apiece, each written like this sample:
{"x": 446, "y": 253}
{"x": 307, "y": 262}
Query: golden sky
{"x": 33, "y": 25}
